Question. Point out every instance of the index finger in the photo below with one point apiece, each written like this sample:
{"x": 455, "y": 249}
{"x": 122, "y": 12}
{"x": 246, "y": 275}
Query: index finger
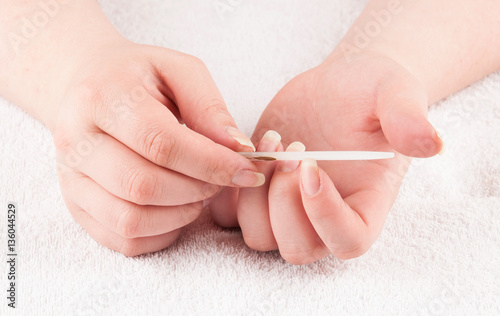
{"x": 151, "y": 130}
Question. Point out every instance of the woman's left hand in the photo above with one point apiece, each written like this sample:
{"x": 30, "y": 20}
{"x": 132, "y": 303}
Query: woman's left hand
{"x": 370, "y": 103}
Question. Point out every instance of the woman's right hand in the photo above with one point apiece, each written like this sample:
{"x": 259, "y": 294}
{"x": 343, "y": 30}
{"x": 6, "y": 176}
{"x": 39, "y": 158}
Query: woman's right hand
{"x": 143, "y": 137}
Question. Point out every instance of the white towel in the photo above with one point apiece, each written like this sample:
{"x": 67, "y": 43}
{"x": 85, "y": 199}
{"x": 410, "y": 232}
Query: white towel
{"x": 439, "y": 253}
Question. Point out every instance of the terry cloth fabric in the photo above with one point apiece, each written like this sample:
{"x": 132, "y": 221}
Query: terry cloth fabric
{"x": 439, "y": 253}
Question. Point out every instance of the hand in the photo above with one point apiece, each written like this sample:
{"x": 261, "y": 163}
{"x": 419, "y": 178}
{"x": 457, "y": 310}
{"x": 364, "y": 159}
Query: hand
{"x": 370, "y": 103}
{"x": 131, "y": 174}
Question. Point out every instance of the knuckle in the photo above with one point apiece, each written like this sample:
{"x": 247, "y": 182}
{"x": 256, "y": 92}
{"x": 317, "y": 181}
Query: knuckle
{"x": 128, "y": 223}
{"x": 139, "y": 187}
{"x": 90, "y": 96}
{"x": 159, "y": 147}
{"x": 63, "y": 140}
{"x": 211, "y": 107}
{"x": 217, "y": 173}
{"x": 89, "y": 91}
{"x": 195, "y": 61}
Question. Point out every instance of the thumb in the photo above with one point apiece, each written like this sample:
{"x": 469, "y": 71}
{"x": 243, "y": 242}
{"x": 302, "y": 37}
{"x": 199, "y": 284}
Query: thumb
{"x": 200, "y": 103}
{"x": 402, "y": 109}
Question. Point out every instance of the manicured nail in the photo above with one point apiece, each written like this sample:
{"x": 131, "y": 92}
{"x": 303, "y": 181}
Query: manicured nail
{"x": 291, "y": 165}
{"x": 240, "y": 137}
{"x": 309, "y": 175}
{"x": 441, "y": 152}
{"x": 206, "y": 202}
{"x": 248, "y": 178}
{"x": 270, "y": 141}
{"x": 441, "y": 141}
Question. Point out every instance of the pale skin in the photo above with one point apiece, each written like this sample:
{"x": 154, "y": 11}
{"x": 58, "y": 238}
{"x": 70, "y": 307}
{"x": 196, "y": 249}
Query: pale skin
{"x": 145, "y": 178}
{"x": 130, "y": 173}
{"x": 370, "y": 98}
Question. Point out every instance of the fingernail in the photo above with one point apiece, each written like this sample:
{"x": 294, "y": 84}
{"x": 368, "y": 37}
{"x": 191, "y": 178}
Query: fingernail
{"x": 291, "y": 165}
{"x": 270, "y": 141}
{"x": 248, "y": 178}
{"x": 309, "y": 175}
{"x": 438, "y": 136}
{"x": 206, "y": 202}
{"x": 441, "y": 152}
{"x": 240, "y": 137}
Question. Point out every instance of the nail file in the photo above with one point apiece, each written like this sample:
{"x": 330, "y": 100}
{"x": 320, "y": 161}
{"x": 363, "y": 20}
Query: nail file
{"x": 317, "y": 155}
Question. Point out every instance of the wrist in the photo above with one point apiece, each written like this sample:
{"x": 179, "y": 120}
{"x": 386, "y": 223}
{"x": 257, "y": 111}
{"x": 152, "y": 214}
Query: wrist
{"x": 444, "y": 45}
{"x": 36, "y": 70}
{"x": 402, "y": 62}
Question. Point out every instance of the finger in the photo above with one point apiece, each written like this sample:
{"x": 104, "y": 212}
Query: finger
{"x": 130, "y": 247}
{"x": 223, "y": 207}
{"x": 129, "y": 176}
{"x": 199, "y": 101}
{"x": 124, "y": 218}
{"x": 153, "y": 132}
{"x": 253, "y": 203}
{"x": 297, "y": 240}
{"x": 402, "y": 110}
{"x": 347, "y": 227}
